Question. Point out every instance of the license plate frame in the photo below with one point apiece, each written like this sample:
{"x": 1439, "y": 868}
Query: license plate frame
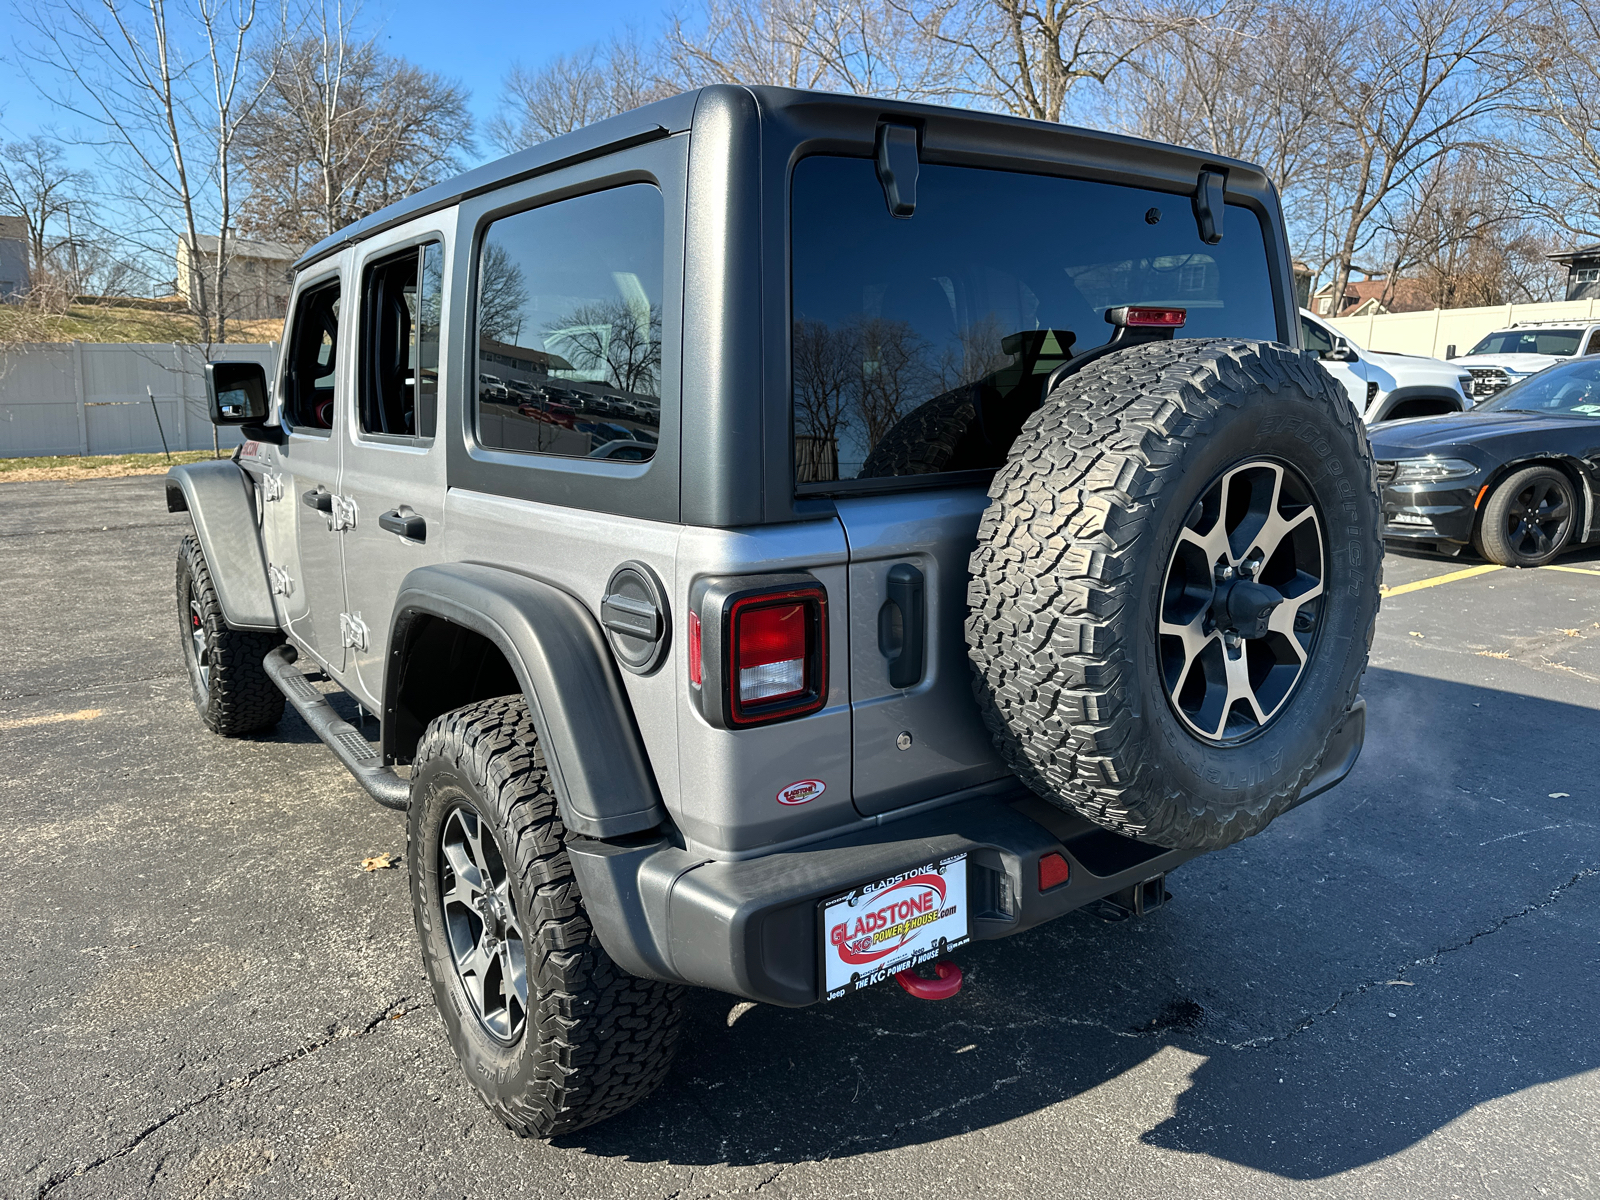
{"x": 923, "y": 910}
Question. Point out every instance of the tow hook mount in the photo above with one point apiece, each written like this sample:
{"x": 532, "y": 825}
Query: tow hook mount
{"x": 942, "y": 988}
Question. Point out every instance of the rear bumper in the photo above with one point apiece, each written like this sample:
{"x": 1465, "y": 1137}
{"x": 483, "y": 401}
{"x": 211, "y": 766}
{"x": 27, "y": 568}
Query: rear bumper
{"x": 752, "y": 929}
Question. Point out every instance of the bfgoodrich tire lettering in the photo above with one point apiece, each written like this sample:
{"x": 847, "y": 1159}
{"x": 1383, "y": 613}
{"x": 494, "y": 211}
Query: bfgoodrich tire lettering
{"x": 595, "y": 1040}
{"x": 1073, "y": 555}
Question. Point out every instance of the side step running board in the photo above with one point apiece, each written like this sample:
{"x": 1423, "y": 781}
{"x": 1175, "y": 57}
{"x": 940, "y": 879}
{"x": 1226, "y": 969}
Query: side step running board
{"x": 347, "y": 742}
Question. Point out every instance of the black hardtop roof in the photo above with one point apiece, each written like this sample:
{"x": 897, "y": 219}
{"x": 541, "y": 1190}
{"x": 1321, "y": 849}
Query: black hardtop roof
{"x": 664, "y": 118}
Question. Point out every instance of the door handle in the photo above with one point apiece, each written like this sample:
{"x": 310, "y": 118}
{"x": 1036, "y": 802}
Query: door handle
{"x": 407, "y": 524}
{"x": 902, "y": 625}
{"x": 319, "y": 499}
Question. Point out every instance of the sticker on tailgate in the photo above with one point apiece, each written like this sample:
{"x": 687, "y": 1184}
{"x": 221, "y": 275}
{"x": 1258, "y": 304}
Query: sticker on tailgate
{"x": 876, "y": 930}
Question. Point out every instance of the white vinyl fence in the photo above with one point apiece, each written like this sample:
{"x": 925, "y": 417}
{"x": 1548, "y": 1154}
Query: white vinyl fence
{"x": 1433, "y": 332}
{"x": 95, "y": 397}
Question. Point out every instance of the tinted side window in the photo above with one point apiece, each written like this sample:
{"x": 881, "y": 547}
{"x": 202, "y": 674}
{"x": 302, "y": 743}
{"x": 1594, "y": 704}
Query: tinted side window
{"x": 1315, "y": 337}
{"x": 400, "y": 343}
{"x": 313, "y": 359}
{"x": 569, "y": 327}
{"x": 920, "y": 346}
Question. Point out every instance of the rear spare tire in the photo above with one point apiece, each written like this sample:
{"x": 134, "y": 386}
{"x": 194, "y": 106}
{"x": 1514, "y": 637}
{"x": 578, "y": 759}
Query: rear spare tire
{"x": 1175, "y": 586}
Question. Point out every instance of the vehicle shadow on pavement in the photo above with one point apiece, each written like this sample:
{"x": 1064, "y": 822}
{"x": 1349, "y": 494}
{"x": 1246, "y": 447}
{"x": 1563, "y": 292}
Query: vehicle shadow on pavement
{"x": 1412, "y": 945}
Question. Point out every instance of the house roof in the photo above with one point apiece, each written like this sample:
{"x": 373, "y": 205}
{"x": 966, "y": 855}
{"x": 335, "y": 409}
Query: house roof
{"x": 1409, "y": 295}
{"x": 1573, "y": 257}
{"x": 14, "y": 228}
{"x": 240, "y": 247}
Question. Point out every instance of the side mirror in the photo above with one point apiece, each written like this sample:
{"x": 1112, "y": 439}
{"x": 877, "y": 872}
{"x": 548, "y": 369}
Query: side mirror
{"x": 237, "y": 392}
{"x": 1450, "y": 351}
{"x": 1341, "y": 352}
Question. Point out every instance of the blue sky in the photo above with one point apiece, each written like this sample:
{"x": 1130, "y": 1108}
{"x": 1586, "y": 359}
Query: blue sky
{"x": 472, "y": 41}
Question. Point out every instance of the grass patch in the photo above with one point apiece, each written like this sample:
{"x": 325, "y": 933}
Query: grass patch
{"x": 113, "y": 323}
{"x": 91, "y": 466}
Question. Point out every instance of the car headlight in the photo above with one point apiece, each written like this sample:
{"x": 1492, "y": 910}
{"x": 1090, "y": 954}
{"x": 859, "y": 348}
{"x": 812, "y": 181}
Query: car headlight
{"x": 1432, "y": 470}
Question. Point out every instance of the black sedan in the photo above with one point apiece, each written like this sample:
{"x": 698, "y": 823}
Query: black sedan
{"x": 1517, "y": 477}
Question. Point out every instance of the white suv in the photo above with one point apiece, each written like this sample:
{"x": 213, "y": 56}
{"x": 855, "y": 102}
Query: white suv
{"x": 1513, "y": 353}
{"x": 1387, "y": 387}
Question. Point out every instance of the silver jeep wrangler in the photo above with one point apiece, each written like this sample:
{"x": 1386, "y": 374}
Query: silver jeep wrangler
{"x": 784, "y": 537}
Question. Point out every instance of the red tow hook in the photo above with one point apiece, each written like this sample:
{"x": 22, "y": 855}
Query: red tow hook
{"x": 942, "y": 988}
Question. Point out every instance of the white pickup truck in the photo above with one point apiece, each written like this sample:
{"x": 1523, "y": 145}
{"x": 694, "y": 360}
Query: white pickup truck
{"x": 1507, "y": 355}
{"x": 1387, "y": 387}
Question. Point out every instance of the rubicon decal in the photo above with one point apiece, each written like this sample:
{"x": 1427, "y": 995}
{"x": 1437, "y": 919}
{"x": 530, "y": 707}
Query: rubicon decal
{"x": 802, "y": 792}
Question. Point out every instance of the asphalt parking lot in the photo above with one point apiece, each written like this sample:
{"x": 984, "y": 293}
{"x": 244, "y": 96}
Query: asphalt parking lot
{"x": 1391, "y": 991}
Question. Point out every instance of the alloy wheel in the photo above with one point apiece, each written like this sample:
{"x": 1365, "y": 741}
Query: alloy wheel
{"x": 482, "y": 924}
{"x": 1538, "y": 516}
{"x": 202, "y": 651}
{"x": 1242, "y": 601}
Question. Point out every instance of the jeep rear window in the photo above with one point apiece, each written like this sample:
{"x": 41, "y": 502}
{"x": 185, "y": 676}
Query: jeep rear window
{"x": 920, "y": 345}
{"x": 569, "y": 327}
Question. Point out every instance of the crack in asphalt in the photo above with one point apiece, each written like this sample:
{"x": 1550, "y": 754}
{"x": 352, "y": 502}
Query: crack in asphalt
{"x": 1433, "y": 959}
{"x": 404, "y": 1005}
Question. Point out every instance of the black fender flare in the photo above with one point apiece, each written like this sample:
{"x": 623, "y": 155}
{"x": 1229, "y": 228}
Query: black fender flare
{"x": 591, "y": 742}
{"x": 220, "y": 497}
{"x": 1420, "y": 391}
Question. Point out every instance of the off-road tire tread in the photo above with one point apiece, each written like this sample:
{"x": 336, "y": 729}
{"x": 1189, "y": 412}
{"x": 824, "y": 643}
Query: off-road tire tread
{"x": 243, "y": 699}
{"x": 922, "y": 441}
{"x": 1058, "y": 551}
{"x": 605, "y": 1038}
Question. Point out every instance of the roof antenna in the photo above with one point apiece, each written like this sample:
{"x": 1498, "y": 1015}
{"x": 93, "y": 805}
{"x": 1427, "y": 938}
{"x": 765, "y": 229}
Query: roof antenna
{"x": 896, "y": 155}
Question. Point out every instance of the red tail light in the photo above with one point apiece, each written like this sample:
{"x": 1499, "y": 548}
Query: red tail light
{"x": 770, "y": 645}
{"x": 776, "y": 655}
{"x": 757, "y": 648}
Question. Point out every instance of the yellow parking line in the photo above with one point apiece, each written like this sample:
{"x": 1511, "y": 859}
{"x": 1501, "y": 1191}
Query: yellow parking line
{"x": 1452, "y": 577}
{"x": 1574, "y": 570}
{"x": 83, "y": 714}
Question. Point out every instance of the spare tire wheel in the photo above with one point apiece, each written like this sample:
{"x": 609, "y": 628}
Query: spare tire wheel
{"x": 1174, "y": 589}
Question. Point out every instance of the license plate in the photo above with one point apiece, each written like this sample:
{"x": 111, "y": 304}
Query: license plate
{"x": 875, "y": 930}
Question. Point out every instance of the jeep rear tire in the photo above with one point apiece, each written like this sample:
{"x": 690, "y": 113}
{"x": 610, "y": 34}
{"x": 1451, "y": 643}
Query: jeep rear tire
{"x": 1175, "y": 587}
{"x": 230, "y": 686}
{"x": 552, "y": 1033}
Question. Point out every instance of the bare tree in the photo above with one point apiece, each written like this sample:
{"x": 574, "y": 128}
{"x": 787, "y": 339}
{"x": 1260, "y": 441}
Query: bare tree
{"x": 1462, "y": 241}
{"x": 869, "y": 47}
{"x": 502, "y": 292}
{"x": 343, "y": 130}
{"x": 827, "y": 370}
{"x": 1255, "y": 83}
{"x": 1027, "y": 56}
{"x": 894, "y": 374}
{"x": 168, "y": 94}
{"x": 574, "y": 90}
{"x": 38, "y": 186}
{"x": 1418, "y": 92}
{"x": 615, "y": 340}
{"x": 1557, "y": 147}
